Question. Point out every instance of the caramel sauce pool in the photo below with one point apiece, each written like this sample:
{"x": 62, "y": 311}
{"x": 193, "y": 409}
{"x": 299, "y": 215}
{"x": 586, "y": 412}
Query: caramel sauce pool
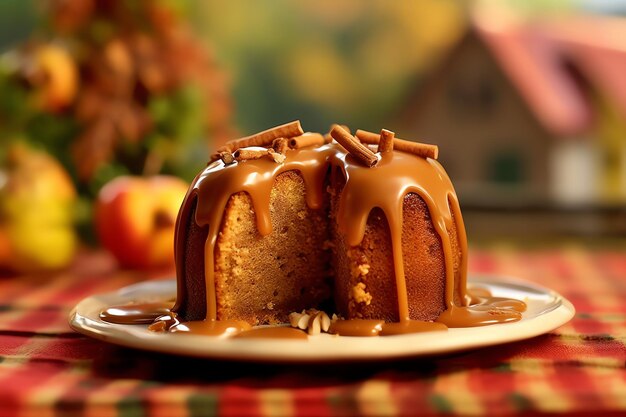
{"x": 141, "y": 313}
{"x": 484, "y": 310}
{"x": 273, "y": 333}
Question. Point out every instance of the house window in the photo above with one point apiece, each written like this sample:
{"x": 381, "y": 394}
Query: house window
{"x": 506, "y": 167}
{"x": 474, "y": 96}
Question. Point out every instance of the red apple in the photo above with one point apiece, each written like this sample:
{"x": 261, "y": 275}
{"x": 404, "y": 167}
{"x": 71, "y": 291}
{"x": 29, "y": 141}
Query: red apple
{"x": 135, "y": 219}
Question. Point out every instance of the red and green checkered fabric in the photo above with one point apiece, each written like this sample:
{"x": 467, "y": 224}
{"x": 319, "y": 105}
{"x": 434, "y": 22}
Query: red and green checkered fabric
{"x": 579, "y": 369}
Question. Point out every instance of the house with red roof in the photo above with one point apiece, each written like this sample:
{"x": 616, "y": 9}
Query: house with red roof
{"x": 530, "y": 112}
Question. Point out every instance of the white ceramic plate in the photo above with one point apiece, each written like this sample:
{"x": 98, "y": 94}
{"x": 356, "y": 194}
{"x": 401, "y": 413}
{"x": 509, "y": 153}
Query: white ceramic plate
{"x": 546, "y": 311}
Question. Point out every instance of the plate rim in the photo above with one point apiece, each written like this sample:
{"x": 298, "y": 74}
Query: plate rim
{"x": 262, "y": 350}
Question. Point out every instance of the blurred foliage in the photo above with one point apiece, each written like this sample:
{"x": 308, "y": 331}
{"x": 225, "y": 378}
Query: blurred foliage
{"x": 109, "y": 88}
{"x": 17, "y": 19}
{"x": 113, "y": 88}
{"x": 325, "y": 61}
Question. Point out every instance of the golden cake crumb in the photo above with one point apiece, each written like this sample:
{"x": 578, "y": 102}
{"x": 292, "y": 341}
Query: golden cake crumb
{"x": 360, "y": 295}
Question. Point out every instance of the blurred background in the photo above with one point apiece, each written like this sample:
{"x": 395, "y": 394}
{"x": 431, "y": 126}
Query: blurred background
{"x": 526, "y": 100}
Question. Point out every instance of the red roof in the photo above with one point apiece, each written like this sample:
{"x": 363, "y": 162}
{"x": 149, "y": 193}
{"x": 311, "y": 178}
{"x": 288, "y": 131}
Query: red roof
{"x": 559, "y": 66}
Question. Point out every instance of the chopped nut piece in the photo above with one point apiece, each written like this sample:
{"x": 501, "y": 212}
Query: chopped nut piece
{"x": 279, "y": 158}
{"x": 303, "y": 322}
{"x": 324, "y": 321}
{"x": 280, "y": 145}
{"x": 313, "y": 321}
{"x": 294, "y": 318}
{"x": 314, "y": 326}
{"x": 227, "y": 157}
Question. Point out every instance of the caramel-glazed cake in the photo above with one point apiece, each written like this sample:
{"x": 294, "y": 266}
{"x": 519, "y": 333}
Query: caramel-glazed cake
{"x": 367, "y": 227}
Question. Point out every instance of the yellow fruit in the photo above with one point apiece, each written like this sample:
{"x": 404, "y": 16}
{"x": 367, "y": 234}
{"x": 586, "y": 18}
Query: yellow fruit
{"x": 37, "y": 200}
{"x": 41, "y": 248}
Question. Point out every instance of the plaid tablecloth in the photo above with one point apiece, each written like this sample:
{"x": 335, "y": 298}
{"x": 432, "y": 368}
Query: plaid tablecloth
{"x": 47, "y": 370}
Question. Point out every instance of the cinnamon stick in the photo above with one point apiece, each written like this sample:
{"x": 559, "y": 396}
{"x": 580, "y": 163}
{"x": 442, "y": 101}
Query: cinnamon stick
{"x": 345, "y": 127}
{"x": 329, "y": 138}
{"x": 279, "y": 158}
{"x": 386, "y": 141}
{"x": 361, "y": 152}
{"x": 423, "y": 150}
{"x": 308, "y": 139}
{"x": 245, "y": 154}
{"x": 266, "y": 137}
